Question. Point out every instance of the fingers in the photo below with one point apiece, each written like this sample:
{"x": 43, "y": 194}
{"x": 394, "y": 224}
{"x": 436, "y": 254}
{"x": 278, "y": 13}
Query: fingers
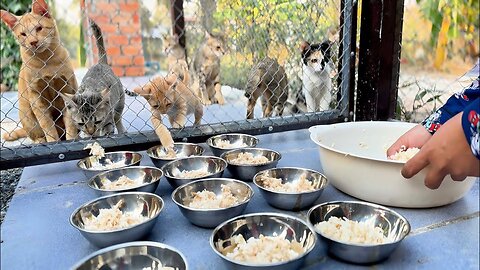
{"x": 395, "y": 147}
{"x": 458, "y": 177}
{"x": 434, "y": 178}
{"x": 415, "y": 164}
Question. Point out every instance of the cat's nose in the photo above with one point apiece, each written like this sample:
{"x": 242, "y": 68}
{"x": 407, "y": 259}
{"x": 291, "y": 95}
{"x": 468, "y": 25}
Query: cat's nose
{"x": 34, "y": 43}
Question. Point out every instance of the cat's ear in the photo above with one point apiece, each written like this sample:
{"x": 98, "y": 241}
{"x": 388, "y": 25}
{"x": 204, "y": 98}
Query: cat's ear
{"x": 68, "y": 99}
{"x": 304, "y": 45}
{"x": 207, "y": 34}
{"x": 9, "y": 19}
{"x": 40, "y": 7}
{"x": 171, "y": 79}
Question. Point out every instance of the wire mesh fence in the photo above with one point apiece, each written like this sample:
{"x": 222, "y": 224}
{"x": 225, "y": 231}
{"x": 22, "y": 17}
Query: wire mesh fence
{"x": 189, "y": 69}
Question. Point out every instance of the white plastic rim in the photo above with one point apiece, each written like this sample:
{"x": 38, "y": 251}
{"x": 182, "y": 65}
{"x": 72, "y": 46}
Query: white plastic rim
{"x": 353, "y": 158}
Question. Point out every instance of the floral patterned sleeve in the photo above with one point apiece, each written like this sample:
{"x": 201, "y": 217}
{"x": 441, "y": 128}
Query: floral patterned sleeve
{"x": 471, "y": 126}
{"x": 455, "y": 104}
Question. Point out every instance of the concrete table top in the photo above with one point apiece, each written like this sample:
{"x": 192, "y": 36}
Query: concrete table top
{"x": 36, "y": 233}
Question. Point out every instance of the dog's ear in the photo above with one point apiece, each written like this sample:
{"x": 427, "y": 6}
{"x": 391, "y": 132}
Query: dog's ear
{"x": 304, "y": 45}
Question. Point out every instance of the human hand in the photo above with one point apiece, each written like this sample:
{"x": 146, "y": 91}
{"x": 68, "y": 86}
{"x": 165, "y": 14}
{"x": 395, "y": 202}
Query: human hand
{"x": 415, "y": 137}
{"x": 447, "y": 152}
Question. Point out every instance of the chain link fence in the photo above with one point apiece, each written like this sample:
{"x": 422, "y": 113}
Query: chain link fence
{"x": 200, "y": 67}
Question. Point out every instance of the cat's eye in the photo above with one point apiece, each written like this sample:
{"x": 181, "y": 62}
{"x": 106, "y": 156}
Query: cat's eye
{"x": 314, "y": 60}
{"x": 218, "y": 47}
{"x": 23, "y": 34}
{"x": 39, "y": 28}
{"x": 155, "y": 106}
{"x": 81, "y": 123}
{"x": 97, "y": 122}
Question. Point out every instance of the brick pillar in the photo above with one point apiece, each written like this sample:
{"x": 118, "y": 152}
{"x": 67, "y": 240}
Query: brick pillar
{"x": 120, "y": 24}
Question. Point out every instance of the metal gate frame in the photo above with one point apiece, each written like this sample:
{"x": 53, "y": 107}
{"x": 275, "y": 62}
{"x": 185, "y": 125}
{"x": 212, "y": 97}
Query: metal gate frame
{"x": 375, "y": 99}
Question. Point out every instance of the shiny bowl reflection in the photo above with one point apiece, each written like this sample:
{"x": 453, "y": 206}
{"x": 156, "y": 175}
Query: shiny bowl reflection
{"x": 236, "y": 140}
{"x": 146, "y": 179}
{"x": 292, "y": 201}
{"x": 214, "y": 166}
{"x": 266, "y": 224}
{"x": 394, "y": 225}
{"x": 93, "y": 165}
{"x": 209, "y": 218}
{"x": 158, "y": 154}
{"x": 147, "y": 204}
{"x": 246, "y": 172}
{"x": 134, "y": 256}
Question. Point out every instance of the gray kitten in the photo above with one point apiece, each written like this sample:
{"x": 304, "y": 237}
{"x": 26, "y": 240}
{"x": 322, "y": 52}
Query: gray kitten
{"x": 97, "y": 106}
{"x": 267, "y": 80}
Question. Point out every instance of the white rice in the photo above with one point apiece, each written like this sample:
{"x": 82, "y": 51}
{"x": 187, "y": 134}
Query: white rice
{"x": 226, "y": 144}
{"x": 95, "y": 149}
{"x": 112, "y": 219}
{"x": 249, "y": 159}
{"x": 353, "y": 232}
{"x": 263, "y": 250}
{"x": 121, "y": 183}
{"x": 208, "y": 200}
{"x": 191, "y": 174}
{"x": 275, "y": 184}
{"x": 404, "y": 154}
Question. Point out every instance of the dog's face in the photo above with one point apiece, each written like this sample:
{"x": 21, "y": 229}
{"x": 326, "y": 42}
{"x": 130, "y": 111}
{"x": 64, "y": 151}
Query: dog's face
{"x": 35, "y": 31}
{"x": 316, "y": 56}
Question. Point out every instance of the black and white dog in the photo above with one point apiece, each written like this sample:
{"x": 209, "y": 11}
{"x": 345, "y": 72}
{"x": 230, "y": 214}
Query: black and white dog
{"x": 316, "y": 81}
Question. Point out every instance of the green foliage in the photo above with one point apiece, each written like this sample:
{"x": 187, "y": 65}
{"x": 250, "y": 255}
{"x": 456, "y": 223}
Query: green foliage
{"x": 425, "y": 99}
{"x": 463, "y": 15}
{"x": 9, "y": 51}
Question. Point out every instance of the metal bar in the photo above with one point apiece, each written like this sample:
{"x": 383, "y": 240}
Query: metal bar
{"x": 178, "y": 21}
{"x": 353, "y": 57}
{"x": 345, "y": 52}
{"x": 389, "y": 53}
{"x": 368, "y": 67}
{"x": 53, "y": 152}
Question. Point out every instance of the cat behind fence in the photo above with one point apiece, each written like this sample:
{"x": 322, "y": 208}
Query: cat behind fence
{"x": 267, "y": 80}
{"x": 45, "y": 73}
{"x": 97, "y": 106}
{"x": 206, "y": 66}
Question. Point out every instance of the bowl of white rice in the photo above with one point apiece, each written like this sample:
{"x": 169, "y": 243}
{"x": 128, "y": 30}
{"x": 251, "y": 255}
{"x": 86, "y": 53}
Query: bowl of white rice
{"x": 270, "y": 241}
{"x": 353, "y": 157}
{"x": 117, "y": 218}
{"x": 160, "y": 156}
{"x": 290, "y": 188}
{"x": 209, "y": 202}
{"x": 144, "y": 255}
{"x": 222, "y": 143}
{"x": 244, "y": 163}
{"x": 185, "y": 170}
{"x": 95, "y": 164}
{"x": 358, "y": 232}
{"x": 136, "y": 178}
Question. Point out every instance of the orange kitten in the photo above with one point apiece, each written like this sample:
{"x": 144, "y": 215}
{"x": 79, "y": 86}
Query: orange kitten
{"x": 46, "y": 70}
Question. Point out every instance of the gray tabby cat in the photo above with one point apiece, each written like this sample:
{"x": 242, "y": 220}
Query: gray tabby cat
{"x": 97, "y": 106}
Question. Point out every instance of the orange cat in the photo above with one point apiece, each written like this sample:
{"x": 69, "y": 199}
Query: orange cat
{"x": 46, "y": 70}
{"x": 170, "y": 96}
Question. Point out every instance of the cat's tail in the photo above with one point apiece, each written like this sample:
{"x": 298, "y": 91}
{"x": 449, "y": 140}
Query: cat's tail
{"x": 97, "y": 33}
{"x": 130, "y": 93}
{"x": 15, "y": 134}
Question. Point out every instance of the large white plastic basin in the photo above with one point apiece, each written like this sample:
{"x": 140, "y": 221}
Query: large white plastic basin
{"x": 353, "y": 157}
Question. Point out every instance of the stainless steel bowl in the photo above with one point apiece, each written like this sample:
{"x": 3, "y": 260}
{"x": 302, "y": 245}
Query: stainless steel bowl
{"x": 157, "y": 153}
{"x": 209, "y": 218}
{"x": 395, "y": 228}
{"x": 214, "y": 166}
{"x": 247, "y": 172}
{"x": 89, "y": 165}
{"x": 292, "y": 201}
{"x": 235, "y": 139}
{"x": 150, "y": 205}
{"x": 146, "y": 179}
{"x": 267, "y": 224}
{"x": 134, "y": 256}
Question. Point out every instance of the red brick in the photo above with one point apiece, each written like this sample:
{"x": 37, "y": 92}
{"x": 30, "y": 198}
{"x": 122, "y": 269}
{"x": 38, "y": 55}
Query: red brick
{"x": 101, "y": 19}
{"x": 130, "y": 29}
{"x": 105, "y": 7}
{"x": 118, "y": 40}
{"x": 136, "y": 18}
{"x": 131, "y": 50}
{"x": 139, "y": 61}
{"x": 119, "y": 19}
{"x": 122, "y": 61}
{"x": 135, "y": 71}
{"x": 132, "y": 7}
{"x": 113, "y": 51}
{"x": 119, "y": 71}
{"x": 109, "y": 28}
{"x": 136, "y": 40}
